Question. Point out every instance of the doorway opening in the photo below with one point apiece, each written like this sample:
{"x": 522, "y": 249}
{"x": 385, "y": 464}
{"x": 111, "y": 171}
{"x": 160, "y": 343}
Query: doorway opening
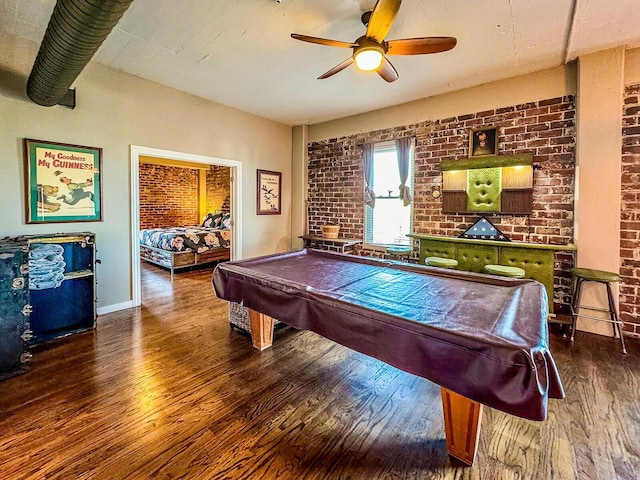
{"x": 235, "y": 196}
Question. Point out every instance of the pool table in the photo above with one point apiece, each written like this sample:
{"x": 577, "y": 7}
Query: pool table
{"x": 483, "y": 339}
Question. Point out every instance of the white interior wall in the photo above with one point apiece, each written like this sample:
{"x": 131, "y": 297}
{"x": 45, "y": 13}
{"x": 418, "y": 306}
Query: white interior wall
{"x": 598, "y": 174}
{"x": 114, "y": 111}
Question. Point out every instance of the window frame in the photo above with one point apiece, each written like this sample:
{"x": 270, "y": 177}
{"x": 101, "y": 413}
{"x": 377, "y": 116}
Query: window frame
{"x": 387, "y": 146}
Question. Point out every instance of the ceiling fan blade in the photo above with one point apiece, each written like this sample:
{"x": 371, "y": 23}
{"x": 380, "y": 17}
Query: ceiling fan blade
{"x": 323, "y": 41}
{"x": 383, "y": 15}
{"x": 337, "y": 68}
{"x": 388, "y": 71}
{"x": 419, "y": 46}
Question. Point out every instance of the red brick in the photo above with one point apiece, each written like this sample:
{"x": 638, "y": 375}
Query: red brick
{"x": 559, "y": 107}
{"x": 635, "y": 110}
{"x": 535, "y": 112}
{"x": 550, "y": 117}
{"x": 551, "y": 101}
{"x": 538, "y": 127}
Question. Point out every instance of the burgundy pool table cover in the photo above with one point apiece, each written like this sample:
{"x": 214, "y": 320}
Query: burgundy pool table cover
{"x": 482, "y": 337}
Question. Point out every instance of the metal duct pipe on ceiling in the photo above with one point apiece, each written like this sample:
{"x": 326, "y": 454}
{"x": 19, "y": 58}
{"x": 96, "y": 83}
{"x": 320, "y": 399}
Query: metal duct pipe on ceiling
{"x": 76, "y": 30}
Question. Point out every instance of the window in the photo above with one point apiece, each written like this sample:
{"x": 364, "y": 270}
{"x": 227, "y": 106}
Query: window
{"x": 389, "y": 221}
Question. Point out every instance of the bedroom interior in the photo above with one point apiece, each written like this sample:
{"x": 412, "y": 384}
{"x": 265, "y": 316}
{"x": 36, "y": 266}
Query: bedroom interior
{"x": 185, "y": 213}
{"x": 164, "y": 388}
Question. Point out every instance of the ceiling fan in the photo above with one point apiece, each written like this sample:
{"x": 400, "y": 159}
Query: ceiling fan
{"x": 370, "y": 50}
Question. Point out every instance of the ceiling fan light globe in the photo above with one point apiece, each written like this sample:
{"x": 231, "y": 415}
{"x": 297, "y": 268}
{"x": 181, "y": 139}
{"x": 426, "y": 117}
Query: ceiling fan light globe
{"x": 368, "y": 59}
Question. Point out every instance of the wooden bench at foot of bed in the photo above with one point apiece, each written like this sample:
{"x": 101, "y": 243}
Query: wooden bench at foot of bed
{"x": 176, "y": 260}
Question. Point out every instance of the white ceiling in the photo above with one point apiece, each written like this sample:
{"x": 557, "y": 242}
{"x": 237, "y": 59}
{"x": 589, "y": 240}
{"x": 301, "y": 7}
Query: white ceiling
{"x": 239, "y": 52}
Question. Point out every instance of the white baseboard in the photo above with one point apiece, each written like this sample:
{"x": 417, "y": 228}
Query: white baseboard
{"x": 115, "y": 307}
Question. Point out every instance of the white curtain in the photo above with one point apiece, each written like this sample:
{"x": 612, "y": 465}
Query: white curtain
{"x": 403, "y": 151}
{"x": 367, "y": 163}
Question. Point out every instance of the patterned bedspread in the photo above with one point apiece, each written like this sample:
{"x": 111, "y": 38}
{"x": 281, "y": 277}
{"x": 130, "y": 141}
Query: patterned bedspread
{"x": 180, "y": 239}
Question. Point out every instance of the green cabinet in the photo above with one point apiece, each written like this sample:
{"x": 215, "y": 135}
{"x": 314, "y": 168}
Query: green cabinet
{"x": 537, "y": 260}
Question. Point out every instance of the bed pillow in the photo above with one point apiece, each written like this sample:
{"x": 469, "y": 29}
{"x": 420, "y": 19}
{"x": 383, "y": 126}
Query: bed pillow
{"x": 212, "y": 220}
{"x": 226, "y": 221}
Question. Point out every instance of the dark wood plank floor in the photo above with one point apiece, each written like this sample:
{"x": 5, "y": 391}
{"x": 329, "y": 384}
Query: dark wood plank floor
{"x": 168, "y": 391}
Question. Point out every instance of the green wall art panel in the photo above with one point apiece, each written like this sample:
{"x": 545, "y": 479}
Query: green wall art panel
{"x": 483, "y": 189}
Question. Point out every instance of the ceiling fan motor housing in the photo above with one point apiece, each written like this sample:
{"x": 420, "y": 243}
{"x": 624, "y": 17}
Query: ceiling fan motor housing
{"x": 365, "y": 42}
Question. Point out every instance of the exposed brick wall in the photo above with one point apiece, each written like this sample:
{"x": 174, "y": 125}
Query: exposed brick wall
{"x": 168, "y": 196}
{"x": 545, "y": 128}
{"x": 218, "y": 189}
{"x": 336, "y": 181}
{"x": 630, "y": 212}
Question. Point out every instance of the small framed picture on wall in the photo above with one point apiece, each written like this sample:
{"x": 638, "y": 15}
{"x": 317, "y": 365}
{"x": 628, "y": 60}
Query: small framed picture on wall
{"x": 269, "y": 191}
{"x": 483, "y": 141}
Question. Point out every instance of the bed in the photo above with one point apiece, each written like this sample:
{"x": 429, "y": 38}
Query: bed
{"x": 181, "y": 247}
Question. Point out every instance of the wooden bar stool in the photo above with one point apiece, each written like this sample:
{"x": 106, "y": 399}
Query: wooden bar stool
{"x": 504, "y": 271}
{"x": 581, "y": 275}
{"x": 441, "y": 262}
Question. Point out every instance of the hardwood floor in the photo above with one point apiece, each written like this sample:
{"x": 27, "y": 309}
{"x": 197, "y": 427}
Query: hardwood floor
{"x": 168, "y": 391}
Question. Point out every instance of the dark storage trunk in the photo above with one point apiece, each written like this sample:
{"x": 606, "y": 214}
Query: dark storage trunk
{"x": 14, "y": 315}
{"x": 48, "y": 309}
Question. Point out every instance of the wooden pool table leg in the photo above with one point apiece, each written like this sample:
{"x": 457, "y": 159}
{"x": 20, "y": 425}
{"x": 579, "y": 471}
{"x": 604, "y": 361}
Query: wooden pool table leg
{"x": 261, "y": 329}
{"x": 462, "y": 418}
